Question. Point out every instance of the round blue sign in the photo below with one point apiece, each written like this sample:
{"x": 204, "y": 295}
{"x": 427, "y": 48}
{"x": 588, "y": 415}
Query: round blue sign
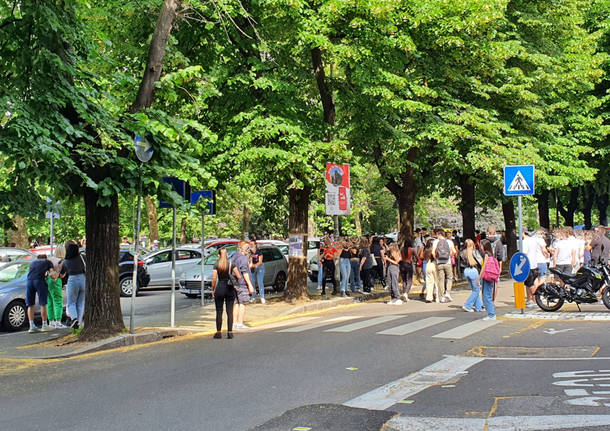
{"x": 519, "y": 267}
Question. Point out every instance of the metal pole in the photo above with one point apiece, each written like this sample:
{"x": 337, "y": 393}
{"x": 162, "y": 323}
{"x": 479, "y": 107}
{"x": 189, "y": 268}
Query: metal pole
{"x": 336, "y": 226}
{"x": 202, "y": 257}
{"x": 134, "y": 280}
{"x": 51, "y": 239}
{"x": 173, "y": 297}
{"x": 520, "y": 225}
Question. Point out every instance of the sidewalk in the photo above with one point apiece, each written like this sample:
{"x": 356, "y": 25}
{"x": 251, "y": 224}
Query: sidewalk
{"x": 201, "y": 320}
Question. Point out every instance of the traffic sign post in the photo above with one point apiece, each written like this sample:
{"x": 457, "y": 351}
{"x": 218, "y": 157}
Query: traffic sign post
{"x": 519, "y": 181}
{"x": 519, "y": 271}
{"x": 209, "y": 196}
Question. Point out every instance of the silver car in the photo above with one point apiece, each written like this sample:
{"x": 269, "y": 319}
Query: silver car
{"x": 276, "y": 272}
{"x": 159, "y": 265}
{"x": 13, "y": 277}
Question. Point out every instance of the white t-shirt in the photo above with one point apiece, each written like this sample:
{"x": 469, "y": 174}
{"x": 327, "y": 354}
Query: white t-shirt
{"x": 529, "y": 249}
{"x": 564, "y": 251}
{"x": 540, "y": 258}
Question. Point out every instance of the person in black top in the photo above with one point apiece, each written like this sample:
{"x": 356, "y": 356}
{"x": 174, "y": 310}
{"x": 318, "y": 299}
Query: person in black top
{"x": 223, "y": 292}
{"x": 36, "y": 284}
{"x": 378, "y": 252}
{"x": 258, "y": 270}
{"x": 74, "y": 267}
{"x": 600, "y": 246}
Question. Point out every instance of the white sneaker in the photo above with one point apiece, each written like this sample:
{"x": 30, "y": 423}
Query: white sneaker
{"x": 448, "y": 298}
{"x": 395, "y": 302}
{"x": 530, "y": 304}
{"x": 489, "y": 318}
{"x": 469, "y": 310}
{"x": 443, "y": 300}
{"x": 262, "y": 300}
{"x": 46, "y": 328}
{"x": 59, "y": 325}
{"x": 34, "y": 329}
{"x": 52, "y": 324}
{"x": 406, "y": 297}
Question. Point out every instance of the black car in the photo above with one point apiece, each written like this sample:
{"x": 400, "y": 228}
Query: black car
{"x": 126, "y": 273}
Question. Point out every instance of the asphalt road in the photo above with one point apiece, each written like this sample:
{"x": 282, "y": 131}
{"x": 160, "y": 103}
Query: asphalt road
{"x": 512, "y": 371}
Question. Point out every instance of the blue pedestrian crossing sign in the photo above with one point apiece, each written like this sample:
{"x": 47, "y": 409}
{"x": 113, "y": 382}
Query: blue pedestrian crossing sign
{"x": 519, "y": 267}
{"x": 519, "y": 180}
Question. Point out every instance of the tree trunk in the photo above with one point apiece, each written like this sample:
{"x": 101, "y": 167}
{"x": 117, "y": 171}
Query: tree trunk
{"x": 510, "y": 227}
{"x": 326, "y": 95}
{"x": 156, "y": 54}
{"x": 602, "y": 206}
{"x": 568, "y": 211}
{"x": 357, "y": 223}
{"x": 467, "y": 206}
{"x": 153, "y": 219}
{"x": 183, "y": 239}
{"x": 311, "y": 224}
{"x": 296, "y": 287}
{"x": 245, "y": 222}
{"x": 20, "y": 236}
{"x": 588, "y": 199}
{"x": 103, "y": 317}
{"x": 544, "y": 217}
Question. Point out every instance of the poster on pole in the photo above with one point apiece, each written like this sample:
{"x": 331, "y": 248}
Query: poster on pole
{"x": 295, "y": 246}
{"x": 338, "y": 197}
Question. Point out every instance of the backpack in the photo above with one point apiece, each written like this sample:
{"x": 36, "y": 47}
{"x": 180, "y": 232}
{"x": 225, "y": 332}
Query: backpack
{"x": 442, "y": 250}
{"x": 491, "y": 272}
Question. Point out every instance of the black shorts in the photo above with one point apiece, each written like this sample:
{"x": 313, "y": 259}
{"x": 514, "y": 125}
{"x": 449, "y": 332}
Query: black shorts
{"x": 531, "y": 278}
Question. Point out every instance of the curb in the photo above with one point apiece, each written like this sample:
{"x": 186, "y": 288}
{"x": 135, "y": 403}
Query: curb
{"x": 332, "y": 303}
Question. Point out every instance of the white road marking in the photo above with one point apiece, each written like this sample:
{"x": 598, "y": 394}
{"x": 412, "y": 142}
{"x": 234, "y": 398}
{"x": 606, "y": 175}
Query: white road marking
{"x": 589, "y": 316}
{"x": 414, "y": 326}
{"x": 576, "y": 392}
{"x": 366, "y": 323}
{"x": 500, "y": 423}
{"x": 447, "y": 370}
{"x": 283, "y": 323}
{"x": 467, "y": 329}
{"x": 553, "y": 331}
{"x": 319, "y": 324}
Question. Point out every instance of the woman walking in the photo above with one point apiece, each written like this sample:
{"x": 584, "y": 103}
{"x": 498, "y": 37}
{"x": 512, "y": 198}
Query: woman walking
{"x": 392, "y": 258}
{"x": 488, "y": 278}
{"x": 472, "y": 263}
{"x": 406, "y": 268}
{"x": 55, "y": 305}
{"x": 223, "y": 292}
{"x": 74, "y": 267}
{"x": 431, "y": 275}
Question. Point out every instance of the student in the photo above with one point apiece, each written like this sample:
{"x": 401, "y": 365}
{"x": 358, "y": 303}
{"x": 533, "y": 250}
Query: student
{"x": 73, "y": 266}
{"x": 244, "y": 286}
{"x": 392, "y": 259}
{"x": 472, "y": 261}
{"x": 258, "y": 270}
{"x": 406, "y": 268}
{"x": 223, "y": 292}
{"x": 55, "y": 303}
{"x": 488, "y": 285}
{"x": 37, "y": 285}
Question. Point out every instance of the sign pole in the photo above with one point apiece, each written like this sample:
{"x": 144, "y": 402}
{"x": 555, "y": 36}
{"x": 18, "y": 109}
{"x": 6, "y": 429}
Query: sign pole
{"x": 51, "y": 239}
{"x": 520, "y": 224}
{"x": 202, "y": 257}
{"x": 173, "y": 297}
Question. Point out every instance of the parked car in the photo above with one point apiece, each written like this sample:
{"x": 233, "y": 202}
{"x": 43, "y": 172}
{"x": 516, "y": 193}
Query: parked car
{"x": 9, "y": 254}
{"x": 214, "y": 245}
{"x": 282, "y": 245}
{"x": 159, "y": 264}
{"x": 126, "y": 273}
{"x": 13, "y": 277}
{"x": 276, "y": 272}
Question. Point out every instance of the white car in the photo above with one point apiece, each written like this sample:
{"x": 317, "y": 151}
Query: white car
{"x": 282, "y": 245}
{"x": 159, "y": 265}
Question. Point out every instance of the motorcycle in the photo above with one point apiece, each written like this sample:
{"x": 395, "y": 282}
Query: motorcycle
{"x": 581, "y": 288}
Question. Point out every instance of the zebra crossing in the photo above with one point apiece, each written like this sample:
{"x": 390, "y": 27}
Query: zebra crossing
{"x": 455, "y": 333}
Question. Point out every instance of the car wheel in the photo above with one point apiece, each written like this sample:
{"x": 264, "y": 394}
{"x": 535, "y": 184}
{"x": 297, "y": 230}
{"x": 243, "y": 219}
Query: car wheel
{"x": 125, "y": 286}
{"x": 280, "y": 282}
{"x": 15, "y": 316}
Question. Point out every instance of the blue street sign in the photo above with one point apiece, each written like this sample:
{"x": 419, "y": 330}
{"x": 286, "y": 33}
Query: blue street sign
{"x": 180, "y": 186}
{"x": 209, "y": 195}
{"x": 519, "y": 267}
{"x": 519, "y": 180}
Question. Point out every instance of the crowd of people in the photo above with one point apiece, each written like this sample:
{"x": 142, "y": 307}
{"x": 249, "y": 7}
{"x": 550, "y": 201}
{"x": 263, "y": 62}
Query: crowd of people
{"x": 46, "y": 278}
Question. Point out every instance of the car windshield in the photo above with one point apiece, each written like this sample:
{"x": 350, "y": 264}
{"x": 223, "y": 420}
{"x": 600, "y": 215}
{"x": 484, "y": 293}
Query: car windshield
{"x": 13, "y": 271}
{"x": 212, "y": 259}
